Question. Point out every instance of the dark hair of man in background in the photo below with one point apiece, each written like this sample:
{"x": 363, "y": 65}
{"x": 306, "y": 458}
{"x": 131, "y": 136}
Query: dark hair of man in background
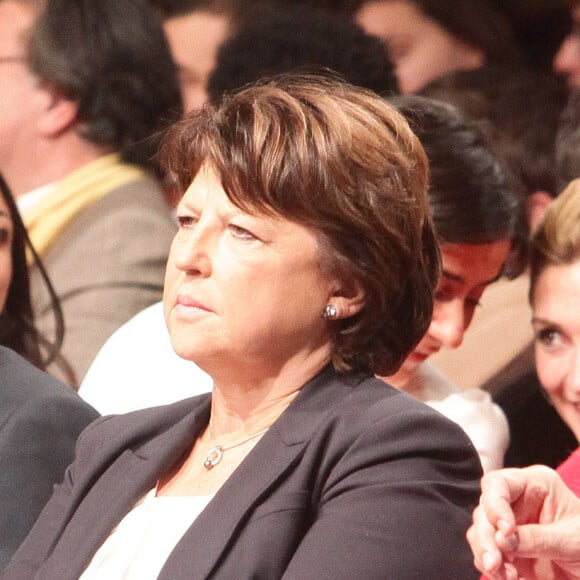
{"x": 174, "y": 8}
{"x": 114, "y": 62}
{"x": 286, "y": 39}
{"x": 539, "y": 27}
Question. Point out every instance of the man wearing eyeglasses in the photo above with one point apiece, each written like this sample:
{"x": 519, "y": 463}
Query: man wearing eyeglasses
{"x": 85, "y": 88}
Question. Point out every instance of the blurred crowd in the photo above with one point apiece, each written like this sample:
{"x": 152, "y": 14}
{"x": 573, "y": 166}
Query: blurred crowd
{"x": 90, "y": 208}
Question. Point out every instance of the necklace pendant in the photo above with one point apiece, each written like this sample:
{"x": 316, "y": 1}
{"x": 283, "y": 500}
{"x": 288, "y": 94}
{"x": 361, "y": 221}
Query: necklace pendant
{"x": 213, "y": 457}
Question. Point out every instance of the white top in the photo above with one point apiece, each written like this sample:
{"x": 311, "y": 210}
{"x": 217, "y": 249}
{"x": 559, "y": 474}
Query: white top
{"x": 138, "y": 368}
{"x": 472, "y": 409}
{"x": 139, "y": 546}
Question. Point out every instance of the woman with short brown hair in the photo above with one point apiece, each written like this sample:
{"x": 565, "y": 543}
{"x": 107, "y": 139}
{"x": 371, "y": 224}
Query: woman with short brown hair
{"x": 305, "y": 263}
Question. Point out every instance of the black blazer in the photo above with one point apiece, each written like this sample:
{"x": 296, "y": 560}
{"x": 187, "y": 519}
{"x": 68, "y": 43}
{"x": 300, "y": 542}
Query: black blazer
{"x": 355, "y": 480}
{"x": 40, "y": 421}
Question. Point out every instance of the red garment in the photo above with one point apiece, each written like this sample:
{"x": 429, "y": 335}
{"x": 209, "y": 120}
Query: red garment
{"x": 569, "y": 471}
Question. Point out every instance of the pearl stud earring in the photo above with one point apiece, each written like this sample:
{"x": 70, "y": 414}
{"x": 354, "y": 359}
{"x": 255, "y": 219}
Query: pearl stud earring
{"x": 330, "y": 312}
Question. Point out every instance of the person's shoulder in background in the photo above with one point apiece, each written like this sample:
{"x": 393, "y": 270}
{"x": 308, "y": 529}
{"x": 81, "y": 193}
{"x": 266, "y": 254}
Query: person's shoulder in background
{"x": 138, "y": 368}
{"x": 40, "y": 421}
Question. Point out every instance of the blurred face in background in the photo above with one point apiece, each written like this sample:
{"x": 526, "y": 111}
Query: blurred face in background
{"x": 419, "y": 48}
{"x": 556, "y": 324}
{"x": 194, "y": 40}
{"x": 21, "y": 97}
{"x": 567, "y": 59}
{"x": 467, "y": 270}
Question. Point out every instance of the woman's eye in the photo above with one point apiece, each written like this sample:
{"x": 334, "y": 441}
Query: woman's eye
{"x": 241, "y": 233}
{"x": 549, "y": 337}
{"x": 5, "y": 236}
{"x": 186, "y": 221}
{"x": 442, "y": 296}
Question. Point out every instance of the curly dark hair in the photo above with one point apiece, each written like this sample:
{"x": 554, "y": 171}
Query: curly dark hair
{"x": 301, "y": 38}
{"x": 112, "y": 59}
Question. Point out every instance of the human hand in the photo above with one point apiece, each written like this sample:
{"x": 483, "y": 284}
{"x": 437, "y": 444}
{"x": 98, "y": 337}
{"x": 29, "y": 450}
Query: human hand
{"x": 527, "y": 525}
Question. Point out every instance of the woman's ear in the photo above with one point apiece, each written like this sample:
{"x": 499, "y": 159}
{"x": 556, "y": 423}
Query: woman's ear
{"x": 348, "y": 299}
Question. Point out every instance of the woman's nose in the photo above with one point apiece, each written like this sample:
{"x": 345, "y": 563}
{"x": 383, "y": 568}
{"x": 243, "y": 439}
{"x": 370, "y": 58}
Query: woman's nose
{"x": 193, "y": 251}
{"x": 448, "y": 323}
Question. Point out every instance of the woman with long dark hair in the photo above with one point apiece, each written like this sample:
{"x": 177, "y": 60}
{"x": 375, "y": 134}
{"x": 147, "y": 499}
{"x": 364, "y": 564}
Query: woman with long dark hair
{"x": 17, "y": 329}
{"x": 40, "y": 418}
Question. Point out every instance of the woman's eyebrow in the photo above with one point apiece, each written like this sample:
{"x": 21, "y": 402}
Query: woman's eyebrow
{"x": 456, "y": 278}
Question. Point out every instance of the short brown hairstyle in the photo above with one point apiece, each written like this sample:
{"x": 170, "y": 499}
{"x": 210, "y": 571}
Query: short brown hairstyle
{"x": 556, "y": 242}
{"x": 340, "y": 160}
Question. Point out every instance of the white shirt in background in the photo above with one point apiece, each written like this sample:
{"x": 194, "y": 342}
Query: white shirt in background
{"x": 138, "y": 368}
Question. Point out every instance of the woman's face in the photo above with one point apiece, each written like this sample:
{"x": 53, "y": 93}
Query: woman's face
{"x": 244, "y": 292}
{"x": 467, "y": 270}
{"x": 6, "y": 237}
{"x": 556, "y": 323}
{"x": 194, "y": 39}
{"x": 567, "y": 59}
{"x": 419, "y": 48}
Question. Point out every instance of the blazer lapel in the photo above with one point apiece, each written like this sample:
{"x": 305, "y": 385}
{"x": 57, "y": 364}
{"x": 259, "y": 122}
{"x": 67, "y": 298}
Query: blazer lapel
{"x": 202, "y": 545}
{"x": 131, "y": 475}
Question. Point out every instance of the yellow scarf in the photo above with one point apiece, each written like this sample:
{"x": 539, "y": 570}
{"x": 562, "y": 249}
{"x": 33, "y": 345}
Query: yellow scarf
{"x": 77, "y": 191}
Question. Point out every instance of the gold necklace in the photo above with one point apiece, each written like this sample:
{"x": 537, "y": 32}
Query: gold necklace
{"x": 216, "y": 453}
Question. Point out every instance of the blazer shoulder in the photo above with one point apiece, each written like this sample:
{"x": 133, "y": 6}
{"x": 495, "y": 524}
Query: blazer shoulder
{"x": 123, "y": 237}
{"x": 38, "y": 412}
{"x": 397, "y": 419}
{"x": 133, "y": 217}
{"x": 21, "y": 381}
{"x": 372, "y": 397}
{"x": 142, "y": 195}
{"x": 137, "y": 203}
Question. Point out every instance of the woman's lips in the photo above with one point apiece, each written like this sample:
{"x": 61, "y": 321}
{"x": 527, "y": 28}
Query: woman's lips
{"x": 418, "y": 356}
{"x": 187, "y": 307}
{"x": 421, "y": 355}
